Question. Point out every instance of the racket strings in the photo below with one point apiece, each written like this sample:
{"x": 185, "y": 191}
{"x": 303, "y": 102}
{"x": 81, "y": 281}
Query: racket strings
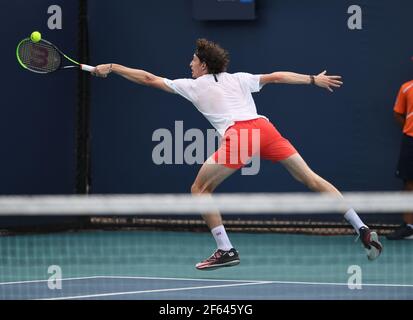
{"x": 39, "y": 57}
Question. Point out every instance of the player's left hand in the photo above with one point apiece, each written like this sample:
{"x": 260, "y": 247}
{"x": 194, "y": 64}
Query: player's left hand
{"x": 327, "y": 82}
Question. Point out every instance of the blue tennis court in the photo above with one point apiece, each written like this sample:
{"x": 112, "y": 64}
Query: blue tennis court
{"x": 143, "y": 288}
{"x": 142, "y": 265}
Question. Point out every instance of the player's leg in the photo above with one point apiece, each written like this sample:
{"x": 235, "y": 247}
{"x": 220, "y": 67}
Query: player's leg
{"x": 408, "y": 217}
{"x": 210, "y": 176}
{"x": 299, "y": 169}
{"x": 405, "y": 230}
{"x": 404, "y": 171}
{"x": 302, "y": 172}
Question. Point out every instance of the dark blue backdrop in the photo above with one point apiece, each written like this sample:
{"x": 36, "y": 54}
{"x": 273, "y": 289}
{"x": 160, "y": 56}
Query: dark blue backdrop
{"x": 348, "y": 137}
{"x": 37, "y": 113}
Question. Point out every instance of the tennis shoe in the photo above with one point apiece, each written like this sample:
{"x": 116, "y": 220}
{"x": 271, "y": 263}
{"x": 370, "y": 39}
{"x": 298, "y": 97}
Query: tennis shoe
{"x": 371, "y": 243}
{"x": 402, "y": 232}
{"x": 220, "y": 258}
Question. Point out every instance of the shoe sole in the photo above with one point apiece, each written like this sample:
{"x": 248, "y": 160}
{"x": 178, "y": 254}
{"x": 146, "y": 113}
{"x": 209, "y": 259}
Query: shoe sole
{"x": 217, "y": 266}
{"x": 375, "y": 248}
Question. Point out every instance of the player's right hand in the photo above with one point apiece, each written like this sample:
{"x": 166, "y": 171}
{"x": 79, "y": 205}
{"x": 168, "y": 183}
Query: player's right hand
{"x": 102, "y": 70}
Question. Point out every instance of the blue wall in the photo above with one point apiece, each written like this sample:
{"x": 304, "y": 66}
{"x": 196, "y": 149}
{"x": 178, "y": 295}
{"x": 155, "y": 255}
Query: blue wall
{"x": 37, "y": 113}
{"x": 348, "y": 137}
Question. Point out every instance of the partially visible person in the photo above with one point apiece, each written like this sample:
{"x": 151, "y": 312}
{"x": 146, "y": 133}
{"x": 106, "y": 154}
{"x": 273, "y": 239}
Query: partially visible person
{"x": 403, "y": 112}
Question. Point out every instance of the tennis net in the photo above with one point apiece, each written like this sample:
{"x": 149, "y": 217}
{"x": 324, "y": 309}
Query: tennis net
{"x": 146, "y": 247}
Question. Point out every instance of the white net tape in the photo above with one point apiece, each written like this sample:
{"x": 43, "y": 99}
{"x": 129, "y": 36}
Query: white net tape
{"x": 240, "y": 203}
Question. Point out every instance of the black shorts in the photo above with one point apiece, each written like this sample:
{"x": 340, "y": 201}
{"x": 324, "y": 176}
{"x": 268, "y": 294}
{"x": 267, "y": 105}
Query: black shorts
{"x": 405, "y": 165}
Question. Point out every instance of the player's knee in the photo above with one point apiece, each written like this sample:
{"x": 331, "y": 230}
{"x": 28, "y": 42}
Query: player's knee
{"x": 195, "y": 189}
{"x": 201, "y": 189}
{"x": 313, "y": 182}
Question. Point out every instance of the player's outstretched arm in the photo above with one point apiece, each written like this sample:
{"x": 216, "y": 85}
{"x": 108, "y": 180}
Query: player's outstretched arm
{"x": 322, "y": 80}
{"x": 139, "y": 76}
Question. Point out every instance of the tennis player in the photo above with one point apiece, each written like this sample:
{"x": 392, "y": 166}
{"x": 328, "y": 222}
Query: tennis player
{"x": 226, "y": 100}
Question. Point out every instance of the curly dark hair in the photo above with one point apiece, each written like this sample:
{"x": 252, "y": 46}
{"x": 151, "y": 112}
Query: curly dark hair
{"x": 215, "y": 57}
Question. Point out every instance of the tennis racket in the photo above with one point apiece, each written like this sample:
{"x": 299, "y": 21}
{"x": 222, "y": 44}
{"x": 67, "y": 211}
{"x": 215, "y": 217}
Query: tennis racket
{"x": 44, "y": 57}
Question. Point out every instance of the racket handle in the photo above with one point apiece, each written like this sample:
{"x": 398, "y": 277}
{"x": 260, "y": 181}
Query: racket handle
{"x": 87, "y": 68}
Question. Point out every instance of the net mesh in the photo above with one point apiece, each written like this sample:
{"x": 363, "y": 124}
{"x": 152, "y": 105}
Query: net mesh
{"x": 124, "y": 252}
{"x": 39, "y": 57}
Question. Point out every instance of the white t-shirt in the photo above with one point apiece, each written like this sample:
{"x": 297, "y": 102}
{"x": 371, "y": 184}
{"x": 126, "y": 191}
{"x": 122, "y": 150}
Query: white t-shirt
{"x": 222, "y": 102}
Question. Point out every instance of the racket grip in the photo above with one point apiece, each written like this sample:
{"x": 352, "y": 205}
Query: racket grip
{"x": 87, "y": 68}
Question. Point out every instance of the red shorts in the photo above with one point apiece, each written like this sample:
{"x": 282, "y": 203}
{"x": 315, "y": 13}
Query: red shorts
{"x": 249, "y": 138}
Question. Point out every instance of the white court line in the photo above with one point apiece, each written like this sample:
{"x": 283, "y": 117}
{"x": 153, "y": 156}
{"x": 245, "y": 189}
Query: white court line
{"x": 132, "y": 277}
{"x": 261, "y": 281}
{"x": 339, "y": 284}
{"x": 151, "y": 291}
{"x": 183, "y": 279}
{"x": 217, "y": 280}
{"x": 45, "y": 280}
{"x": 209, "y": 287}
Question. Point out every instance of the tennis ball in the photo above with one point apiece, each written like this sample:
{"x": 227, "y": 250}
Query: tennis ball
{"x": 36, "y": 36}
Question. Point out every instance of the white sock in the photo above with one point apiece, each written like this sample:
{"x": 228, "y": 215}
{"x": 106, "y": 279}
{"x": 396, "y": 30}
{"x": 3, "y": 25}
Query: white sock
{"x": 352, "y": 217}
{"x": 410, "y": 225}
{"x": 221, "y": 237}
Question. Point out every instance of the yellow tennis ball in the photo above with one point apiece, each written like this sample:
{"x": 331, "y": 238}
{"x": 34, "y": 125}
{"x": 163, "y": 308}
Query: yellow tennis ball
{"x": 36, "y": 36}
